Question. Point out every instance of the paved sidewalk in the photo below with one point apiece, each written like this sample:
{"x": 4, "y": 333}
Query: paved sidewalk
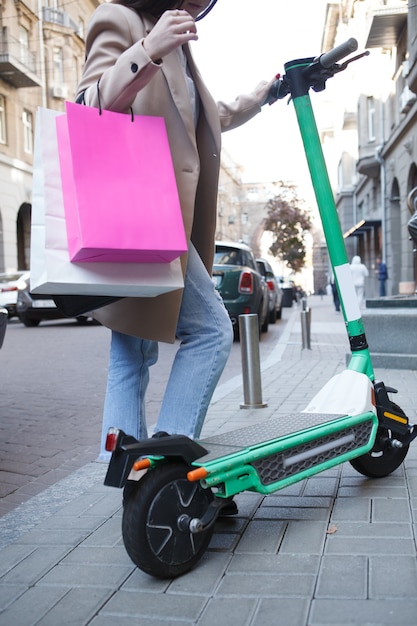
{"x": 334, "y": 549}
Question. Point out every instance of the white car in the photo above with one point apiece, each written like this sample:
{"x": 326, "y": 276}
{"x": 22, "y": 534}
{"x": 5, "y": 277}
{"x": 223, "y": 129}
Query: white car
{"x": 9, "y": 285}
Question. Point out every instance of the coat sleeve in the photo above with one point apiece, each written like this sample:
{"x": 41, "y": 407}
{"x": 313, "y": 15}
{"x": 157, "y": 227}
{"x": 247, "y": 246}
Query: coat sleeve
{"x": 238, "y": 112}
{"x": 116, "y": 58}
{"x": 243, "y": 108}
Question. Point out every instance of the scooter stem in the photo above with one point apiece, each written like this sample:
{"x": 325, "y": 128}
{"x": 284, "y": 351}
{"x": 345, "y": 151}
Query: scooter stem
{"x": 361, "y": 359}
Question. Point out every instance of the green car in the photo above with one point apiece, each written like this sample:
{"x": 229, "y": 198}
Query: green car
{"x": 243, "y": 290}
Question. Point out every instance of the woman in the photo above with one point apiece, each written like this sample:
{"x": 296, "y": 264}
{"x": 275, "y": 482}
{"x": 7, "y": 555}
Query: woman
{"x": 138, "y": 51}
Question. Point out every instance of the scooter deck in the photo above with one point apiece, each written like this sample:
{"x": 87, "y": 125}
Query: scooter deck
{"x": 267, "y": 456}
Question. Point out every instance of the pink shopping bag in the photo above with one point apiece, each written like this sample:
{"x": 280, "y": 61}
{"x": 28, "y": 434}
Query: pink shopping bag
{"x": 120, "y": 194}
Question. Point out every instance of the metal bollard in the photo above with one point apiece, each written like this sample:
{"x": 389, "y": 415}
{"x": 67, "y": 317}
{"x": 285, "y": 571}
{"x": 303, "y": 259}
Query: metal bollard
{"x": 305, "y": 315}
{"x": 251, "y": 368}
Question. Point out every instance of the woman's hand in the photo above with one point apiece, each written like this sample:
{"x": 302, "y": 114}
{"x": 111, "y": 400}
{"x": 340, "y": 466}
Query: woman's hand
{"x": 173, "y": 29}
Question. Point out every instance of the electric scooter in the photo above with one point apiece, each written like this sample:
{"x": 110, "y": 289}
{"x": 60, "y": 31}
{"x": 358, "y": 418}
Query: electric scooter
{"x": 169, "y": 515}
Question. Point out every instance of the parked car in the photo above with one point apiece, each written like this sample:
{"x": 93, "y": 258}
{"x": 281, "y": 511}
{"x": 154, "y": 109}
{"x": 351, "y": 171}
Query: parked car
{"x": 9, "y": 282}
{"x": 242, "y": 288}
{"x": 32, "y": 308}
{"x": 3, "y": 324}
{"x": 274, "y": 290}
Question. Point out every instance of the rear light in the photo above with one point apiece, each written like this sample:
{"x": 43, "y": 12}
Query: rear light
{"x": 111, "y": 439}
{"x": 270, "y": 284}
{"x": 246, "y": 283}
{"x": 4, "y": 289}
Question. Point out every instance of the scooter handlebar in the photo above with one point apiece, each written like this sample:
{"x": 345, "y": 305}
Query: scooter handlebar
{"x": 328, "y": 59}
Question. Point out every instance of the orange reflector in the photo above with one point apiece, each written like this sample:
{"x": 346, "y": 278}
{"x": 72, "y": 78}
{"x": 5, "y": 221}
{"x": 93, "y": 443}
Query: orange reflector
{"x": 142, "y": 464}
{"x": 197, "y": 474}
{"x": 397, "y": 418}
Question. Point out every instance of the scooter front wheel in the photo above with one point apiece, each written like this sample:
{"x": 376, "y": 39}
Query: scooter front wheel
{"x": 153, "y": 533}
{"x": 383, "y": 459}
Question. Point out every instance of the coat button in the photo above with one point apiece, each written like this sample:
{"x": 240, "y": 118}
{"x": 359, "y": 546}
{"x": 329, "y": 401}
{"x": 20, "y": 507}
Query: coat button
{"x": 134, "y": 68}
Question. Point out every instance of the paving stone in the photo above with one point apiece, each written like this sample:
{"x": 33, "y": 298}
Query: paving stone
{"x": 292, "y": 513}
{"x": 86, "y": 575}
{"x": 321, "y": 486}
{"x": 32, "y": 605}
{"x": 38, "y": 537}
{"x": 351, "y": 509}
{"x": 391, "y": 510}
{"x": 106, "y": 620}
{"x": 224, "y": 541}
{"x": 108, "y": 534}
{"x": 273, "y": 563}
{"x": 393, "y": 577}
{"x": 97, "y": 555}
{"x": 204, "y": 578}
{"x": 219, "y": 610}
{"x": 269, "y": 585}
{"x": 34, "y": 566}
{"x": 345, "y": 577}
{"x": 373, "y": 491}
{"x": 304, "y": 538}
{"x": 11, "y": 555}
{"x": 369, "y": 545}
{"x": 77, "y": 607}
{"x": 137, "y": 604}
{"x": 363, "y": 612}
{"x": 261, "y": 536}
{"x": 284, "y": 610}
{"x": 8, "y": 594}
{"x": 372, "y": 530}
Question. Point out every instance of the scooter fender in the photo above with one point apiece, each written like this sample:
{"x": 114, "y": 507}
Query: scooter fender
{"x": 347, "y": 393}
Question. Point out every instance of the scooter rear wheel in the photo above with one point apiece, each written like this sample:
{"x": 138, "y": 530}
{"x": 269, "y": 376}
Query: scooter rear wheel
{"x": 383, "y": 459}
{"x": 153, "y": 537}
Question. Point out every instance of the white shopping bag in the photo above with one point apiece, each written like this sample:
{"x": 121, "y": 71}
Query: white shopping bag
{"x": 51, "y": 271}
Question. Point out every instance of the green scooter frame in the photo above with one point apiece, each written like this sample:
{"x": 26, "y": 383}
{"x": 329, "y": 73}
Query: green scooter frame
{"x": 169, "y": 515}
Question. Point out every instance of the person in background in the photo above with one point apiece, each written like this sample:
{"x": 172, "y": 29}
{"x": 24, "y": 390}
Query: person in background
{"x": 359, "y": 273}
{"x": 382, "y": 274}
{"x": 335, "y": 294}
{"x": 138, "y": 61}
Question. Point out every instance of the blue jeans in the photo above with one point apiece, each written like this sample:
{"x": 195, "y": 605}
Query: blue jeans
{"x": 205, "y": 334}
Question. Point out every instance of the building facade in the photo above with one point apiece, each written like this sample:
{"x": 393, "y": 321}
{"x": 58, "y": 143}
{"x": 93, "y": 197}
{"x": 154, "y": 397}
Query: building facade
{"x": 42, "y": 52}
{"x": 373, "y": 135}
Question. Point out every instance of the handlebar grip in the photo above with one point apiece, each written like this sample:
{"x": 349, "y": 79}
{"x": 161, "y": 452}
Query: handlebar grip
{"x": 333, "y": 56}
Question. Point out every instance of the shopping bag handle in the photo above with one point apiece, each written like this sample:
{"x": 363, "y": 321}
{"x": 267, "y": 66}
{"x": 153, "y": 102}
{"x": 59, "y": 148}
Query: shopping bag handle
{"x": 99, "y": 102}
{"x": 81, "y": 100}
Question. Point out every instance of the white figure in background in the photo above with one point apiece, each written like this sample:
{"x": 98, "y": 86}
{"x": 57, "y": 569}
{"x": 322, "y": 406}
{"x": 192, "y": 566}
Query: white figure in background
{"x": 359, "y": 273}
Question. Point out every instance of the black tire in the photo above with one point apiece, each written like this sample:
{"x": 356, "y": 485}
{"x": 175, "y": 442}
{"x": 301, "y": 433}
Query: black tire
{"x": 151, "y": 534}
{"x": 273, "y": 316}
{"x": 382, "y": 460}
{"x": 28, "y": 321}
{"x": 236, "y": 334}
{"x": 265, "y": 324}
{"x": 279, "y": 313}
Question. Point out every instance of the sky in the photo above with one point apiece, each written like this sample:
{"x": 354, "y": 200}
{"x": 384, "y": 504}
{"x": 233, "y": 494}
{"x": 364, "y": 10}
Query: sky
{"x": 242, "y": 42}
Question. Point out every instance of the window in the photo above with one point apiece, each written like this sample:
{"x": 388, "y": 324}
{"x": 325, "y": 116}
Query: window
{"x": 24, "y": 45}
{"x": 371, "y": 118}
{"x": 27, "y": 119}
{"x": 58, "y": 64}
{"x": 3, "y": 135}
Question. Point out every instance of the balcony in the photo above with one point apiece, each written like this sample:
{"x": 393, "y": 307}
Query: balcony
{"x": 61, "y": 18}
{"x": 386, "y": 27}
{"x": 17, "y": 63}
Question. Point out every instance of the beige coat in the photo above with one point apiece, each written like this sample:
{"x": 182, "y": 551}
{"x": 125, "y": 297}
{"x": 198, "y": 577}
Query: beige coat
{"x": 128, "y": 78}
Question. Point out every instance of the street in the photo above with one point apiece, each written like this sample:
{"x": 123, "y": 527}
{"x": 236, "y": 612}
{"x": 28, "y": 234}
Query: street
{"x": 53, "y": 380}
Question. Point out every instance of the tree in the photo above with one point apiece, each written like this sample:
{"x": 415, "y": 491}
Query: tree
{"x": 288, "y": 221}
